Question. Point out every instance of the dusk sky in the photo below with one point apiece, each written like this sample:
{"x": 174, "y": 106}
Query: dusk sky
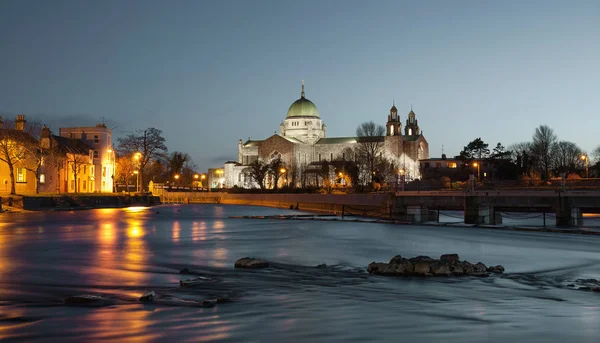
{"x": 208, "y": 73}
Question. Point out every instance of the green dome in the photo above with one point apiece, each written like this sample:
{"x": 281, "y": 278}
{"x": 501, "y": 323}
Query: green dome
{"x": 303, "y": 108}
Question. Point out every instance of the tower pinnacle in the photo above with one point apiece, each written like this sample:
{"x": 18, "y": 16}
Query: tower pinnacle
{"x": 302, "y": 94}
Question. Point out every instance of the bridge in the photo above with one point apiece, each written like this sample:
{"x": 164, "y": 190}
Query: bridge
{"x": 480, "y": 207}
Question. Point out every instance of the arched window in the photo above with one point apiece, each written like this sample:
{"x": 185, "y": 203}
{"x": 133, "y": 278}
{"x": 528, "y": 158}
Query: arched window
{"x": 392, "y": 130}
{"x": 410, "y": 132}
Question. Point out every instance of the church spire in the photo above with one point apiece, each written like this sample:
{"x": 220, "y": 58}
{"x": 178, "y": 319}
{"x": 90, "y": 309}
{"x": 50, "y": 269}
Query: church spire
{"x": 302, "y": 94}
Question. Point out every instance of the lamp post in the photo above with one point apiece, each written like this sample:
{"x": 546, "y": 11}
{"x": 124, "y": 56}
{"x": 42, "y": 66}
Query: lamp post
{"x": 585, "y": 157}
{"x": 176, "y": 180}
{"x": 137, "y": 180}
{"x": 477, "y": 165}
{"x": 196, "y": 176}
{"x": 202, "y": 177}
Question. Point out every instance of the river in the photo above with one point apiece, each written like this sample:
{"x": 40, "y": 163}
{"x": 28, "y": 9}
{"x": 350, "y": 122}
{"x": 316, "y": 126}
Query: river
{"x": 121, "y": 253}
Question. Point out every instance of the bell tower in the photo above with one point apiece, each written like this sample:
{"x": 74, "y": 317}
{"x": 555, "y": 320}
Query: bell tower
{"x": 393, "y": 127}
{"x": 412, "y": 125}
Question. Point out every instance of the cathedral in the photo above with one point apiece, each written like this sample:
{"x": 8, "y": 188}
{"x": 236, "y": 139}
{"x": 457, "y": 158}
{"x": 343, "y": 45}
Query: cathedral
{"x": 302, "y": 141}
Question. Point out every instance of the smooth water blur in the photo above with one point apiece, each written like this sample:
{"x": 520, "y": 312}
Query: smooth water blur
{"x": 122, "y": 253}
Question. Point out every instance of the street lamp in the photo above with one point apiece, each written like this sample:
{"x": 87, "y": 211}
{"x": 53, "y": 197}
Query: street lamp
{"x": 282, "y": 171}
{"x": 585, "y": 157}
{"x": 176, "y": 180}
{"x": 477, "y": 165}
{"x": 137, "y": 181}
{"x": 196, "y": 176}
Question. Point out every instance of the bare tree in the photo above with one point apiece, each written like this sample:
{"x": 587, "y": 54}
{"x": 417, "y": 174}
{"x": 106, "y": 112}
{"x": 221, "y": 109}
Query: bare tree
{"x": 566, "y": 157}
{"x": 543, "y": 140}
{"x": 258, "y": 172}
{"x": 370, "y": 143}
{"x": 274, "y": 168}
{"x": 125, "y": 167}
{"x": 149, "y": 143}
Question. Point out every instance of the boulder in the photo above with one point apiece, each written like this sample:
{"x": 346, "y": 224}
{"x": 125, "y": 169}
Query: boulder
{"x": 421, "y": 268}
{"x": 480, "y": 268}
{"x": 421, "y": 259}
{"x": 396, "y": 259}
{"x": 440, "y": 269}
{"x": 148, "y": 297}
{"x": 250, "y": 263}
{"x": 377, "y": 268}
{"x": 495, "y": 269}
{"x": 467, "y": 267}
{"x": 192, "y": 282}
{"x": 457, "y": 269}
{"x": 450, "y": 258}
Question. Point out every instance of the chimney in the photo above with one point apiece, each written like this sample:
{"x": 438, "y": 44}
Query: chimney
{"x": 443, "y": 156}
{"x": 45, "y": 137}
{"x": 20, "y": 122}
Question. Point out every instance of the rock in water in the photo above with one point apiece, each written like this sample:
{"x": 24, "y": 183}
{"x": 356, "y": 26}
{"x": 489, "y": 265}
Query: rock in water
{"x": 86, "y": 300}
{"x": 396, "y": 259}
{"x": 421, "y": 268}
{"x": 148, "y": 297}
{"x": 496, "y": 269}
{"x": 250, "y": 263}
{"x": 377, "y": 268}
{"x": 480, "y": 268}
{"x": 440, "y": 269}
{"x": 450, "y": 258}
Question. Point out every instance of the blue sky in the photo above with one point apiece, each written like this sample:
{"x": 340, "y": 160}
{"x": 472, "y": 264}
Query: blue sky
{"x": 208, "y": 73}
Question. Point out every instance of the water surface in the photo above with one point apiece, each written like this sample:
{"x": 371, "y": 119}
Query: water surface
{"x": 122, "y": 253}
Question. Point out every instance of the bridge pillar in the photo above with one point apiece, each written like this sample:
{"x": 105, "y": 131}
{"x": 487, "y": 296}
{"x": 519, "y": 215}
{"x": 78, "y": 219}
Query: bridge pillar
{"x": 566, "y": 214}
{"x": 417, "y": 214}
{"x": 477, "y": 212}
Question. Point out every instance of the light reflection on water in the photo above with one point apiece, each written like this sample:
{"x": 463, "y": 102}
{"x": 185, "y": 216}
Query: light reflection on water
{"x": 122, "y": 253}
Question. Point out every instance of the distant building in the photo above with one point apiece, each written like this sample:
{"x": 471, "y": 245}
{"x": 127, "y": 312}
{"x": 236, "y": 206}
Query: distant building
{"x": 69, "y": 167}
{"x": 302, "y": 140}
{"x": 99, "y": 138}
{"x": 25, "y": 178}
{"x": 435, "y": 168}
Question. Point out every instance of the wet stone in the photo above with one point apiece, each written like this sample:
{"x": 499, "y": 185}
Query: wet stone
{"x": 250, "y": 263}
{"x": 450, "y": 258}
{"x": 86, "y": 300}
{"x": 148, "y": 297}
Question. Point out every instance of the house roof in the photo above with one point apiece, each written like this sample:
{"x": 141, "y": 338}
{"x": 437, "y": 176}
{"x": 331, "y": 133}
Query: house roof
{"x": 250, "y": 143}
{"x": 337, "y": 140}
{"x": 71, "y": 145}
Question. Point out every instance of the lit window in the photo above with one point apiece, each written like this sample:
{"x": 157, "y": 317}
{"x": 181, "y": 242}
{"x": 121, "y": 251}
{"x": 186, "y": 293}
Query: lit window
{"x": 42, "y": 178}
{"x": 103, "y": 171}
{"x": 392, "y": 130}
{"x": 410, "y": 132}
{"x": 451, "y": 164}
{"x": 21, "y": 175}
{"x": 73, "y": 184}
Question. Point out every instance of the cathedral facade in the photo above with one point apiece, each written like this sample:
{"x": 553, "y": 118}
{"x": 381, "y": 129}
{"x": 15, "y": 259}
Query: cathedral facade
{"x": 302, "y": 141}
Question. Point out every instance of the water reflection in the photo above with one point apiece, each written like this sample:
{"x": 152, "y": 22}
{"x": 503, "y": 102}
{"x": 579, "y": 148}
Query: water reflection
{"x": 130, "y": 324}
{"x": 176, "y": 229}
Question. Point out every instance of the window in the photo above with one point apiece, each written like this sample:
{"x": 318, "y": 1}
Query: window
{"x": 96, "y": 139}
{"x": 103, "y": 184}
{"x": 73, "y": 184}
{"x": 319, "y": 157}
{"x": 331, "y": 157}
{"x": 410, "y": 132}
{"x": 85, "y": 169}
{"x": 84, "y": 185}
{"x": 392, "y": 130}
{"x": 438, "y": 165}
{"x": 95, "y": 153}
{"x": 42, "y": 178}
{"x": 42, "y": 161}
{"x": 21, "y": 175}
{"x": 451, "y": 165}
{"x": 103, "y": 171}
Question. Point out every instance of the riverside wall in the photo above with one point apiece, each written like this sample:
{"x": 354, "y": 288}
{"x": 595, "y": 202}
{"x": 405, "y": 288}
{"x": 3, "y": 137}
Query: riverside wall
{"x": 69, "y": 201}
{"x": 325, "y": 203}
